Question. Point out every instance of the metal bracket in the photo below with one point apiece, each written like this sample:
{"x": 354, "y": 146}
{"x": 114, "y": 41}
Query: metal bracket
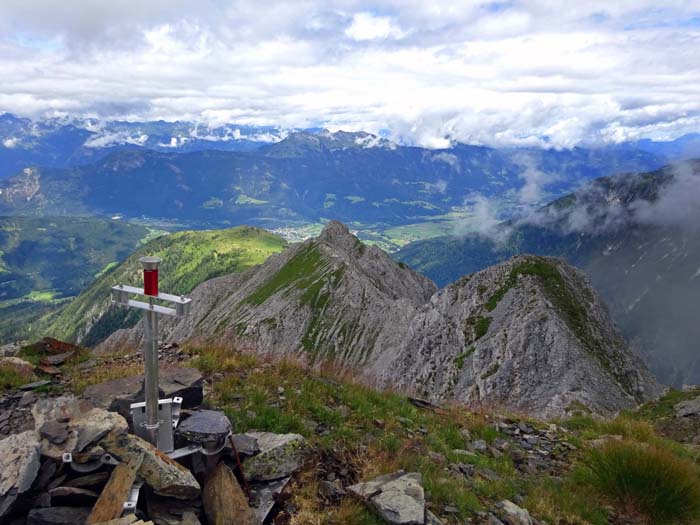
{"x": 130, "y": 504}
{"x": 168, "y": 418}
{"x": 90, "y": 466}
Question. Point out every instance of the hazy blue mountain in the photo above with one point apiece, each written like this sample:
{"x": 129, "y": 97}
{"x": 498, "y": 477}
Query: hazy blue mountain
{"x": 74, "y": 142}
{"x": 353, "y": 177}
{"x": 638, "y": 239}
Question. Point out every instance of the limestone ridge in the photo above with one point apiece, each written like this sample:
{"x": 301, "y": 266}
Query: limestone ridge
{"x": 529, "y": 334}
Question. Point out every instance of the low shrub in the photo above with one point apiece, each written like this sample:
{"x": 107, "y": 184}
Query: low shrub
{"x": 646, "y": 480}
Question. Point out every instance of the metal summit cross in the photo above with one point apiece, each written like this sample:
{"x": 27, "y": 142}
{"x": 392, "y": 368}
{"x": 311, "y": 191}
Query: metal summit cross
{"x": 155, "y": 418}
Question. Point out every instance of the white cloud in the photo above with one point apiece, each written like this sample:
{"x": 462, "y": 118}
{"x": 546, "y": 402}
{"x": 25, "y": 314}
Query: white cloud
{"x": 534, "y": 72}
{"x": 117, "y": 139}
{"x": 366, "y": 26}
{"x": 10, "y": 142}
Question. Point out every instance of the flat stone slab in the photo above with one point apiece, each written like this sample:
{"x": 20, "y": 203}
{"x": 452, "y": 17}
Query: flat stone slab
{"x": 117, "y": 395}
{"x": 280, "y": 456}
{"x": 246, "y": 445}
{"x": 58, "y": 516}
{"x": 205, "y": 426}
{"x": 398, "y": 498}
{"x": 264, "y": 494}
{"x": 34, "y": 385}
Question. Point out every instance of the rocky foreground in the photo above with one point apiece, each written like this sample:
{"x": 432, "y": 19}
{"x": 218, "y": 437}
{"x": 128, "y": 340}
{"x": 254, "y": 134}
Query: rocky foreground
{"x": 312, "y": 449}
{"x": 527, "y": 335}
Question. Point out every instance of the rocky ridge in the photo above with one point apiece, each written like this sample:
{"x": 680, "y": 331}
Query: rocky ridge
{"x": 507, "y": 335}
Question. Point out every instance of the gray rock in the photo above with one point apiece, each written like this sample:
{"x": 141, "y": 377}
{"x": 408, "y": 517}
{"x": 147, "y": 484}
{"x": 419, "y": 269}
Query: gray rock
{"x": 166, "y": 476}
{"x": 55, "y": 432}
{"x": 19, "y": 465}
{"x": 331, "y": 489}
{"x": 85, "y": 424}
{"x": 432, "y": 519}
{"x": 21, "y": 366}
{"x": 263, "y": 496}
{"x": 34, "y": 385}
{"x": 205, "y": 426}
{"x": 687, "y": 408}
{"x": 398, "y": 498}
{"x": 280, "y": 456}
{"x": 246, "y": 445}
{"x": 511, "y": 514}
{"x": 27, "y": 399}
{"x": 480, "y": 446}
{"x": 58, "y": 516}
{"x": 12, "y": 349}
{"x": 117, "y": 395}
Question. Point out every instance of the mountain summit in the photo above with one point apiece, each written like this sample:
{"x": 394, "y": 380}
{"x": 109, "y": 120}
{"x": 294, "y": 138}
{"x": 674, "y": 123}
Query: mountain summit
{"x": 529, "y": 334}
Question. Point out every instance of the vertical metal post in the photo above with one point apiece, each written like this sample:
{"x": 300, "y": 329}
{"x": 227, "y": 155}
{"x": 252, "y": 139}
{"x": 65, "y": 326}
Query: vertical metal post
{"x": 150, "y": 349}
{"x": 150, "y": 358}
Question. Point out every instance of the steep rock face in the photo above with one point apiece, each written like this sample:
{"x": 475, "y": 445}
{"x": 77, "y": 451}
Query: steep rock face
{"x": 329, "y": 297}
{"x": 528, "y": 334}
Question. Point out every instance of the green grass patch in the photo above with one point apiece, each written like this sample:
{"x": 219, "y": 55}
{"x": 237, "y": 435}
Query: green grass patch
{"x": 459, "y": 360}
{"x": 10, "y": 378}
{"x": 481, "y": 327}
{"x": 300, "y": 270}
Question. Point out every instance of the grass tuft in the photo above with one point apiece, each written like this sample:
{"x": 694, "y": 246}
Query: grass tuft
{"x": 647, "y": 480}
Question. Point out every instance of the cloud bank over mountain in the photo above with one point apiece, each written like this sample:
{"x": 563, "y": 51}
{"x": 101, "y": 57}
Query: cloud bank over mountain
{"x": 529, "y": 72}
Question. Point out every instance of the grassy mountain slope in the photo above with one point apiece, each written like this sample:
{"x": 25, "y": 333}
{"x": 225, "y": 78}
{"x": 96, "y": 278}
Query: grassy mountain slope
{"x": 469, "y": 460}
{"x": 44, "y": 261}
{"x": 189, "y": 258}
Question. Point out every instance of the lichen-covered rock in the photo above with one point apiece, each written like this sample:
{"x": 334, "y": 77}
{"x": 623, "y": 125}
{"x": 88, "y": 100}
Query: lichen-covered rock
{"x": 398, "y": 498}
{"x": 166, "y": 476}
{"x": 19, "y": 465}
{"x": 280, "y": 456}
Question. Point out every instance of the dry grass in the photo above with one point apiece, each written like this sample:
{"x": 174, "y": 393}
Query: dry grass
{"x": 105, "y": 370}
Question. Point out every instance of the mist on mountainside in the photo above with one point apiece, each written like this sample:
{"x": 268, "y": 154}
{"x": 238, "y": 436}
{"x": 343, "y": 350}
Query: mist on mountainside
{"x": 637, "y": 236}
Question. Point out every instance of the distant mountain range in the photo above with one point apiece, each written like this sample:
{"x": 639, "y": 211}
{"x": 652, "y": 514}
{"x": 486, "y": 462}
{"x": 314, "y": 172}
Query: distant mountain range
{"x": 73, "y": 142}
{"x": 638, "y": 239}
{"x": 309, "y": 177}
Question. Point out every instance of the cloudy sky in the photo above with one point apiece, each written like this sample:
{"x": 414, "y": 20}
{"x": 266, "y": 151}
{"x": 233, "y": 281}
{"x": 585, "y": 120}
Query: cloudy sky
{"x": 511, "y": 72}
